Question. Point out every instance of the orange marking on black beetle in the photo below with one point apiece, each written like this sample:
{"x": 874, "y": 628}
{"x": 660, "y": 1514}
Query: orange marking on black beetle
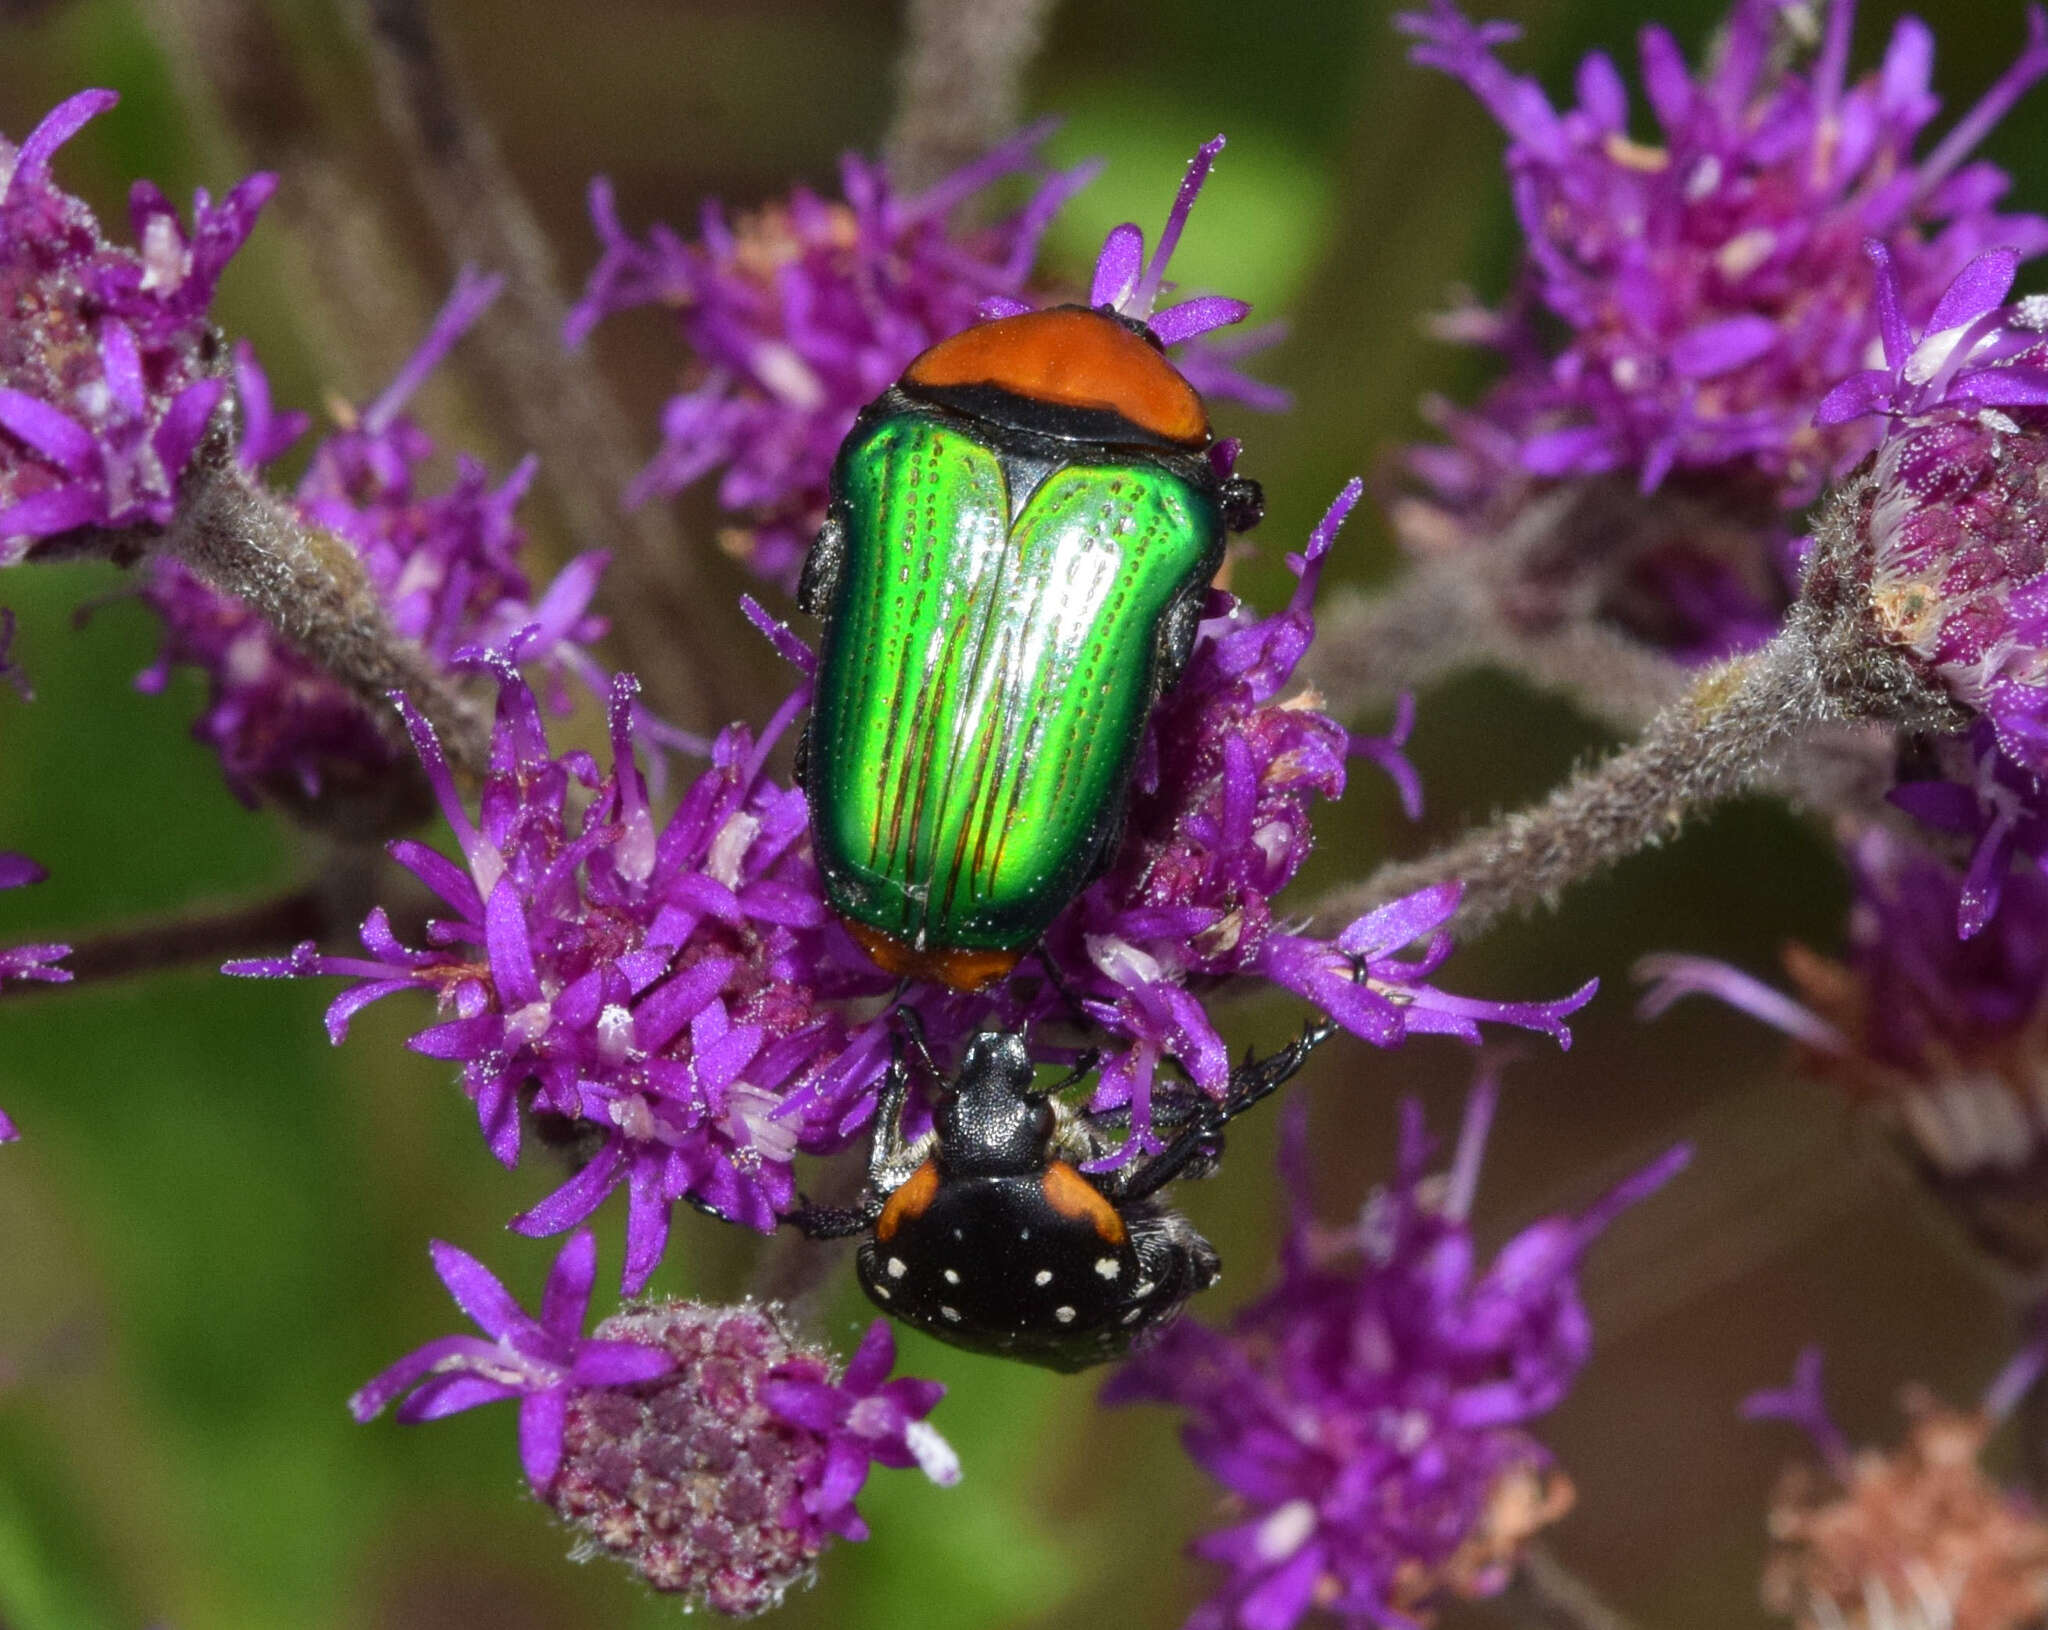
{"x": 1075, "y": 357}
{"x": 1072, "y": 1195}
{"x": 912, "y": 1199}
{"x": 951, "y": 966}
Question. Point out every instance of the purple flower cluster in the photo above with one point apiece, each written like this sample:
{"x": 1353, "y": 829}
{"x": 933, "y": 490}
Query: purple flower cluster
{"x": 1368, "y": 1411}
{"x": 802, "y": 313}
{"x": 1219, "y": 824}
{"x": 705, "y": 1447}
{"x": 444, "y": 564}
{"x": 109, "y": 370}
{"x": 1683, "y": 306}
{"x": 1941, "y": 1036}
{"x": 683, "y": 989}
{"x": 1947, "y": 533}
{"x": 26, "y": 962}
{"x": 663, "y": 984}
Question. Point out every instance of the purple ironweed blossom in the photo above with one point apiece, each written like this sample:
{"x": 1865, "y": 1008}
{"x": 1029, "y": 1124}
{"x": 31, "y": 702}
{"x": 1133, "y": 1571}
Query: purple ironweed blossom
{"x": 801, "y": 313}
{"x": 1945, "y": 530}
{"x": 683, "y": 989}
{"x": 542, "y": 1362}
{"x": 1220, "y": 822}
{"x": 1683, "y": 305}
{"x": 445, "y": 565}
{"x": 109, "y": 368}
{"x": 1941, "y": 1037}
{"x": 703, "y": 1446}
{"x": 1367, "y": 1413}
{"x": 1917, "y": 1535}
{"x": 23, "y": 963}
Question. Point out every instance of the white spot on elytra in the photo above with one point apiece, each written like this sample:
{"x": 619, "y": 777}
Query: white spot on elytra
{"x": 882, "y": 1291}
{"x": 1042, "y": 1277}
{"x": 1106, "y": 1266}
{"x": 952, "y": 1313}
{"x": 952, "y": 1278}
{"x": 1064, "y": 1314}
{"x": 896, "y": 1267}
{"x": 1144, "y": 1287}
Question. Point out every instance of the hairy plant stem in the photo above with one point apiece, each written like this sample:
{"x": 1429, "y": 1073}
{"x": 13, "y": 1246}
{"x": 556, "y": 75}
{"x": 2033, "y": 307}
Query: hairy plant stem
{"x": 1723, "y": 737}
{"x": 959, "y": 83}
{"x": 330, "y": 905}
{"x": 1547, "y": 1595}
{"x": 1439, "y": 620}
{"x": 670, "y": 631}
{"x": 310, "y": 586}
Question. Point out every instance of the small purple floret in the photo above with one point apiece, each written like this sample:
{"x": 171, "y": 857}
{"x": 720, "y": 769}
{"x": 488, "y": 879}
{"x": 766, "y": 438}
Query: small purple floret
{"x": 112, "y": 373}
{"x": 542, "y": 1362}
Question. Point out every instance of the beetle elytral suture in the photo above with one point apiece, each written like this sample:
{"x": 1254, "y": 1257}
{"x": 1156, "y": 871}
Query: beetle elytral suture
{"x": 989, "y": 1232}
{"x": 1021, "y": 533}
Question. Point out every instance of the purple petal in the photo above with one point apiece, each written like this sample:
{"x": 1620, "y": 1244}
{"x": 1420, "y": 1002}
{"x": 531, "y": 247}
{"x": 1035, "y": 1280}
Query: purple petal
{"x": 542, "y": 1416}
{"x": 1199, "y": 316}
{"x": 1977, "y": 288}
{"x": 54, "y": 434}
{"x": 567, "y": 1297}
{"x": 1118, "y": 266}
{"x": 478, "y": 1293}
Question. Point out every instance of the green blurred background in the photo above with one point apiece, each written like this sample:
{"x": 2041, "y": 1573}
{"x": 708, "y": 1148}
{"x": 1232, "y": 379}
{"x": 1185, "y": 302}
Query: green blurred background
{"x": 216, "y": 1225}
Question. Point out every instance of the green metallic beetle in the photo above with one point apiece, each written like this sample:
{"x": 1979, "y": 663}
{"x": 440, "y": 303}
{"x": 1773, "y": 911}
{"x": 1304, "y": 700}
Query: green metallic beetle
{"x": 1021, "y": 533}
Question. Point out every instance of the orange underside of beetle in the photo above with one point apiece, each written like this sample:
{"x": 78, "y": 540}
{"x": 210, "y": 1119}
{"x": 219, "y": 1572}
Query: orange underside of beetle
{"x": 954, "y": 968}
{"x": 1075, "y": 357}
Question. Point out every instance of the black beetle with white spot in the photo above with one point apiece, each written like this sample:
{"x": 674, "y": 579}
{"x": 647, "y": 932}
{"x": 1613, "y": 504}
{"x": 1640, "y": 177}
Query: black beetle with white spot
{"x": 989, "y": 1231}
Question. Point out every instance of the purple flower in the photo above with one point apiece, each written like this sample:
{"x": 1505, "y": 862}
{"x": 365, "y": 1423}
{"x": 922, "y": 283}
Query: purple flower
{"x": 446, "y": 566}
{"x": 727, "y": 1478}
{"x": 863, "y": 1418}
{"x": 542, "y": 1362}
{"x": 703, "y": 1446}
{"x": 1367, "y": 1412}
{"x": 109, "y": 376}
{"x": 1220, "y": 822}
{"x": 1940, "y": 1036}
{"x": 682, "y": 989}
{"x": 667, "y": 985}
{"x": 1921, "y": 1525}
{"x": 1682, "y": 306}
{"x": 26, "y": 962}
{"x": 801, "y": 313}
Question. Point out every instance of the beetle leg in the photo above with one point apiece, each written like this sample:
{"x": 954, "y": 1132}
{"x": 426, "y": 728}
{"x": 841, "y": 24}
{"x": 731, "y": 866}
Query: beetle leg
{"x": 1177, "y": 636}
{"x": 834, "y": 1222}
{"x": 819, "y": 581}
{"x": 1250, "y": 1082}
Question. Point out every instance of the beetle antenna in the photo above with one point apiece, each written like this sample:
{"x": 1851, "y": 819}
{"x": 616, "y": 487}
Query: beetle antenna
{"x": 1059, "y": 983}
{"x": 1082, "y": 1066}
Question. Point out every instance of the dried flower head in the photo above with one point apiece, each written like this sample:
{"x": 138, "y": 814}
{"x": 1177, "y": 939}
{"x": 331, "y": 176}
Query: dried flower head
{"x": 705, "y": 1447}
{"x": 1683, "y": 304}
{"x": 801, "y": 313}
{"x": 109, "y": 370}
{"x": 445, "y": 565}
{"x": 1367, "y": 1413}
{"x": 1945, "y": 1039}
{"x": 1916, "y": 1537}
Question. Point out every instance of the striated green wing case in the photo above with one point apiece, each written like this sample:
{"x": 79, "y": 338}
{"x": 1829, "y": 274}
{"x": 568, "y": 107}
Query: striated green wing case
{"x": 985, "y": 680}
